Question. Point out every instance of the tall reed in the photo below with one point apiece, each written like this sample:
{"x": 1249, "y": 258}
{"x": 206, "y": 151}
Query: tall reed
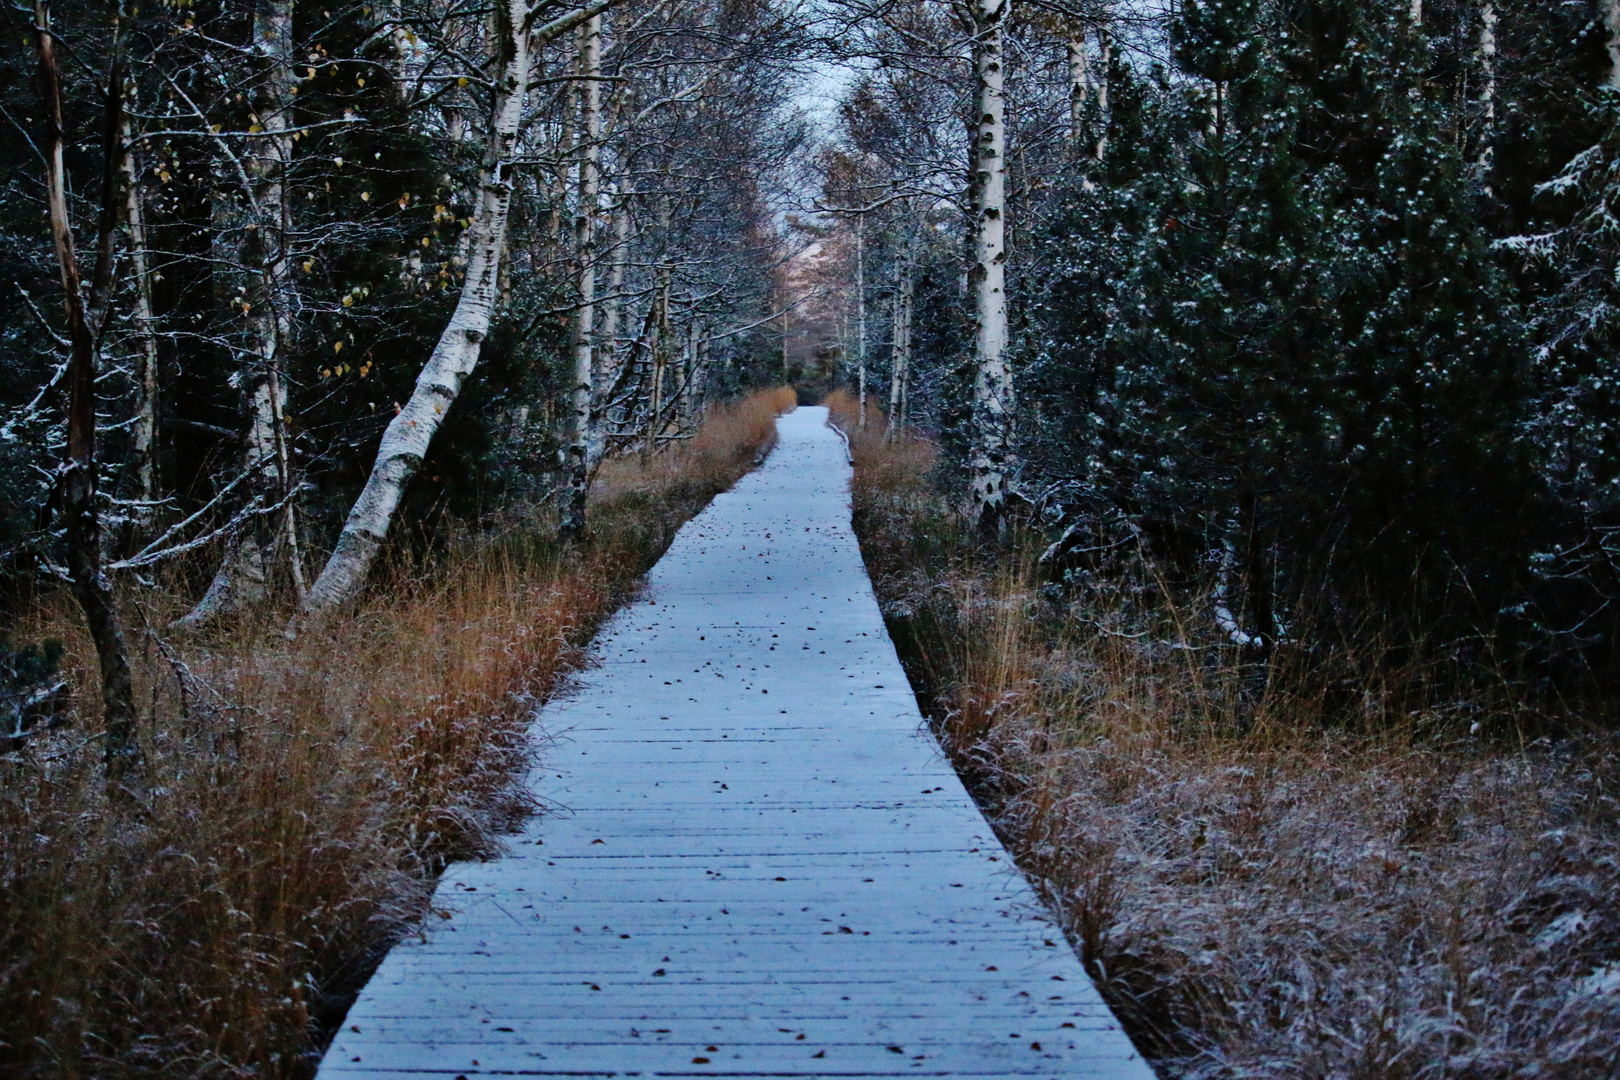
{"x": 303, "y": 795}
{"x": 1313, "y": 872}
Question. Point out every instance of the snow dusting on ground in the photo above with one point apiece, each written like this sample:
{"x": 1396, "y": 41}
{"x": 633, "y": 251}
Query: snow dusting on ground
{"x": 753, "y": 861}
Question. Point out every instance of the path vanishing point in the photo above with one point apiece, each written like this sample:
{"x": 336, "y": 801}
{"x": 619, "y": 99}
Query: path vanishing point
{"x": 754, "y": 860}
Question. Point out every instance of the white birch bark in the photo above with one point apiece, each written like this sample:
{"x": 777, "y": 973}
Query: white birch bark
{"x": 686, "y": 413}
{"x": 1487, "y": 94}
{"x": 990, "y": 460}
{"x": 907, "y": 291}
{"x": 1105, "y": 58}
{"x": 406, "y": 440}
{"x": 276, "y": 322}
{"x": 1079, "y": 86}
{"x": 576, "y": 450}
{"x": 893, "y": 415}
{"x": 660, "y": 340}
{"x": 244, "y": 572}
{"x": 410, "y": 54}
{"x": 700, "y": 373}
{"x": 146, "y": 376}
{"x": 605, "y": 377}
{"x": 900, "y": 352}
{"x": 1611, "y": 23}
{"x": 860, "y": 312}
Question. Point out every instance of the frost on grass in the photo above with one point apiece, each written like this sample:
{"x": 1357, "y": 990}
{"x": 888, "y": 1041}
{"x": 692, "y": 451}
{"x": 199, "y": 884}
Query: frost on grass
{"x": 301, "y": 796}
{"x": 1261, "y": 886}
{"x": 1331, "y": 907}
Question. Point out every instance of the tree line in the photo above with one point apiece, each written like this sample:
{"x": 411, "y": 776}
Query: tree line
{"x": 284, "y": 278}
{"x": 1308, "y": 302}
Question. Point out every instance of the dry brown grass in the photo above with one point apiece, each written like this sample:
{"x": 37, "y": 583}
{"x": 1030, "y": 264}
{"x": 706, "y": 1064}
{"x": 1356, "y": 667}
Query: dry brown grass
{"x": 1261, "y": 888}
{"x": 305, "y": 795}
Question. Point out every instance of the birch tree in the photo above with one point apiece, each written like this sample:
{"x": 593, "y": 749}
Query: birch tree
{"x": 990, "y": 458}
{"x": 860, "y": 315}
{"x": 246, "y": 568}
{"x": 1487, "y": 93}
{"x": 576, "y": 455}
{"x": 406, "y": 440}
{"x": 900, "y": 337}
{"x": 146, "y": 424}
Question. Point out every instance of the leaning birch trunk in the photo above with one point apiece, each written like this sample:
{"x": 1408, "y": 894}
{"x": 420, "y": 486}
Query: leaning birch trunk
{"x": 576, "y": 451}
{"x": 405, "y": 442}
{"x": 990, "y": 459}
{"x": 245, "y": 570}
{"x": 85, "y": 318}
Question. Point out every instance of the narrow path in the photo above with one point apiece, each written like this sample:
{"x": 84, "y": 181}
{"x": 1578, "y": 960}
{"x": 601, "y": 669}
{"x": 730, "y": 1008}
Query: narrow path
{"x": 756, "y": 864}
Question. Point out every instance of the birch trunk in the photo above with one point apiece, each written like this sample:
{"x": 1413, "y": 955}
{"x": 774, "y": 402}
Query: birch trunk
{"x": 245, "y": 571}
{"x": 85, "y": 317}
{"x": 146, "y": 375}
{"x": 907, "y": 291}
{"x": 1611, "y": 23}
{"x": 409, "y": 53}
{"x": 684, "y": 413}
{"x": 605, "y": 378}
{"x": 900, "y": 349}
{"x": 700, "y": 373}
{"x": 576, "y": 451}
{"x": 660, "y": 339}
{"x": 278, "y": 293}
{"x": 990, "y": 457}
{"x": 406, "y": 440}
{"x": 1079, "y": 87}
{"x": 1487, "y": 95}
{"x": 860, "y": 312}
{"x": 1105, "y": 61}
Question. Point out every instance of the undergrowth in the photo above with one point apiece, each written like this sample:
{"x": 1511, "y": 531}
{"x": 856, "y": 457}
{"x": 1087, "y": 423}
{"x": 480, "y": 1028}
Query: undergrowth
{"x": 1305, "y": 871}
{"x": 304, "y": 795}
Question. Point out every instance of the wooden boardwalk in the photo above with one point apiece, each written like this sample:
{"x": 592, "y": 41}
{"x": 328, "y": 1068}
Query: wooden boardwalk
{"x": 756, "y": 862}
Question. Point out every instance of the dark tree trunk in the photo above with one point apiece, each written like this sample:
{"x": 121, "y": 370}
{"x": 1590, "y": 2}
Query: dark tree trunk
{"x": 90, "y": 586}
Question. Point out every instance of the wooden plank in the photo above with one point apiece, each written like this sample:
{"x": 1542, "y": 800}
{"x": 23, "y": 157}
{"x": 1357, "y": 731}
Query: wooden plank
{"x": 755, "y": 861}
